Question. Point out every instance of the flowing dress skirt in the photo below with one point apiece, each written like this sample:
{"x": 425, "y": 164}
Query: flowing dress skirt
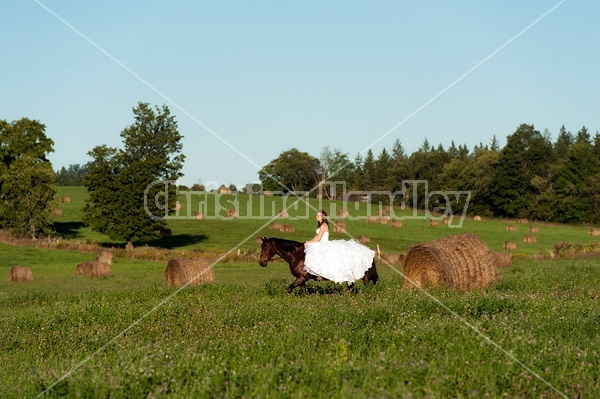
{"x": 338, "y": 260}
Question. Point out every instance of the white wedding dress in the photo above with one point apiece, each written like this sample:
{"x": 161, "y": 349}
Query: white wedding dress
{"x": 338, "y": 260}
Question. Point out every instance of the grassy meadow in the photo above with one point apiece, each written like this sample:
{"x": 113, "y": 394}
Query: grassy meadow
{"x": 534, "y": 333}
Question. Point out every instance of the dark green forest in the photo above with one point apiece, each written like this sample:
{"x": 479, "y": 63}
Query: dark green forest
{"x": 530, "y": 177}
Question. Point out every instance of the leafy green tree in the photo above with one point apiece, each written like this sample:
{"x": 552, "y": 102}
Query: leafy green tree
{"x": 334, "y": 166}
{"x": 292, "y": 170}
{"x": 27, "y": 194}
{"x": 119, "y": 181}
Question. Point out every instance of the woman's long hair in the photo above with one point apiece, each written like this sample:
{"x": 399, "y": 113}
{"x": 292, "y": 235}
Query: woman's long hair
{"x": 325, "y": 218}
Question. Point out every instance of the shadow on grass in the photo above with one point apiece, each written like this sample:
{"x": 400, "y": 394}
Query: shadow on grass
{"x": 176, "y": 241}
{"x": 69, "y": 230}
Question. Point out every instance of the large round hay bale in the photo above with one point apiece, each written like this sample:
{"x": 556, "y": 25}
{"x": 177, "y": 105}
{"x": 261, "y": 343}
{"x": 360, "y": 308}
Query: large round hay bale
{"x": 394, "y": 259}
{"x": 20, "y": 274}
{"x": 268, "y": 193}
{"x": 433, "y": 223}
{"x": 534, "y": 229}
{"x": 287, "y": 228}
{"x": 339, "y": 226}
{"x": 364, "y": 239}
{"x": 511, "y": 227}
{"x": 100, "y": 269}
{"x": 503, "y": 258}
{"x": 383, "y": 219}
{"x": 283, "y": 214}
{"x": 188, "y": 271}
{"x": 198, "y": 216}
{"x": 105, "y": 256}
{"x": 529, "y": 239}
{"x": 509, "y": 245}
{"x": 57, "y": 212}
{"x": 232, "y": 213}
{"x": 342, "y": 213}
{"x": 462, "y": 262}
{"x": 396, "y": 223}
{"x": 522, "y": 221}
{"x": 594, "y": 232}
{"x": 477, "y": 218}
{"x": 66, "y": 199}
{"x": 85, "y": 268}
{"x": 275, "y": 226}
{"x": 372, "y": 219}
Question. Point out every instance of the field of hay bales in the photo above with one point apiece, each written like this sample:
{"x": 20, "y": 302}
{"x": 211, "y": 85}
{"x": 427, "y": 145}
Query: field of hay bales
{"x": 531, "y": 333}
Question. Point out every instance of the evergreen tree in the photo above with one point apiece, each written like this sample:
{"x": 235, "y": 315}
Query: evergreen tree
{"x": 527, "y": 153}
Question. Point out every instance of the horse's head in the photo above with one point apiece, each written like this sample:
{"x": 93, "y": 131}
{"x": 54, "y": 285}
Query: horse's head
{"x": 267, "y": 251}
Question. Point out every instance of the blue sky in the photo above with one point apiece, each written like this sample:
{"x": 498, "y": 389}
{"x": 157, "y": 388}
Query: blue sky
{"x": 248, "y": 80}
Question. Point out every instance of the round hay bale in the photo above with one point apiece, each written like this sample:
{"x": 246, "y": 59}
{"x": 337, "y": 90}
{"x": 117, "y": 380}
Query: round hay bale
{"x": 57, "y": 212}
{"x": 232, "y": 213}
{"x": 20, "y": 274}
{"x": 511, "y": 227}
{"x": 188, "y": 271}
{"x": 85, "y": 268}
{"x": 364, "y": 239}
{"x": 275, "y": 226}
{"x": 529, "y": 239}
{"x": 522, "y": 221}
{"x": 66, "y": 199}
{"x": 509, "y": 245}
{"x": 268, "y": 193}
{"x": 462, "y": 262}
{"x": 534, "y": 229}
{"x": 339, "y": 226}
{"x": 383, "y": 220}
{"x": 397, "y": 224}
{"x": 178, "y": 206}
{"x": 394, "y": 259}
{"x": 105, "y": 256}
{"x": 477, "y": 218}
{"x": 372, "y": 219}
{"x": 342, "y": 213}
{"x": 433, "y": 223}
{"x": 198, "y": 215}
{"x": 287, "y": 228}
{"x": 283, "y": 214}
{"x": 503, "y": 258}
{"x": 100, "y": 269}
{"x": 594, "y": 232}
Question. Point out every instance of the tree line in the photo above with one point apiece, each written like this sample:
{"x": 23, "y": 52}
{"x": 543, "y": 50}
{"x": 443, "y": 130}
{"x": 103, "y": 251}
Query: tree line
{"x": 530, "y": 177}
{"x": 122, "y": 202}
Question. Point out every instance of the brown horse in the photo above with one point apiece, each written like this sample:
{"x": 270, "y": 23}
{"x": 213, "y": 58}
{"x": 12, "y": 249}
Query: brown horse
{"x": 293, "y": 253}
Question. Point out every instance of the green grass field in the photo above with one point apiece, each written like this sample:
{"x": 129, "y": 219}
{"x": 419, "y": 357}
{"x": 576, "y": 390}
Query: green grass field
{"x": 534, "y": 333}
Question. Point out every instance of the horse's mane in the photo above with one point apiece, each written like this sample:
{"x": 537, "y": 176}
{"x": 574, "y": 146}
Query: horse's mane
{"x": 288, "y": 245}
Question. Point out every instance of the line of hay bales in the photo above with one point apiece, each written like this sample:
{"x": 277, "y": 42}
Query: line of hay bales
{"x": 462, "y": 262}
{"x": 188, "y": 271}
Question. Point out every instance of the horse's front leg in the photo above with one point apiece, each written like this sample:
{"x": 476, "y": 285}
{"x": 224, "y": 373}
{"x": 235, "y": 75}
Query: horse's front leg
{"x": 300, "y": 281}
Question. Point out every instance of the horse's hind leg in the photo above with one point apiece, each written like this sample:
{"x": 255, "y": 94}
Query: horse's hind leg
{"x": 371, "y": 275}
{"x": 298, "y": 282}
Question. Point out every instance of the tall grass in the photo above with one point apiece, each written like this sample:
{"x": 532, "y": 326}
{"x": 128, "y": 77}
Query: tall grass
{"x": 243, "y": 336}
